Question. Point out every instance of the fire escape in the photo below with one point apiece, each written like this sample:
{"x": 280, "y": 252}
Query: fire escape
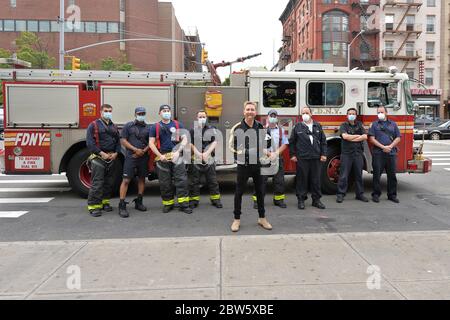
{"x": 368, "y": 52}
{"x": 408, "y": 31}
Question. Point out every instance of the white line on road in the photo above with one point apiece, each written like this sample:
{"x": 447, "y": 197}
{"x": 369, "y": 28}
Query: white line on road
{"x": 441, "y": 164}
{"x": 34, "y": 189}
{"x": 34, "y": 181}
{"x": 441, "y": 159}
{"x": 448, "y": 169}
{"x": 12, "y": 214}
{"x": 25, "y": 200}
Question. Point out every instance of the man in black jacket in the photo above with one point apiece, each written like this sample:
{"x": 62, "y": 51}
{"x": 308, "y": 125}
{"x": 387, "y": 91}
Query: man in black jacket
{"x": 248, "y": 139}
{"x": 308, "y": 148}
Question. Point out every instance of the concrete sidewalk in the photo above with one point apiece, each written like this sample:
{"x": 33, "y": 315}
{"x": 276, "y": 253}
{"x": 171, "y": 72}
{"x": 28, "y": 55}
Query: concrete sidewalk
{"x": 408, "y": 265}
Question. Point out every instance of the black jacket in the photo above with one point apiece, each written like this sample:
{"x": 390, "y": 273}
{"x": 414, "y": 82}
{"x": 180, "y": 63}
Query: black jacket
{"x": 250, "y": 153}
{"x": 300, "y": 143}
{"x": 108, "y": 135}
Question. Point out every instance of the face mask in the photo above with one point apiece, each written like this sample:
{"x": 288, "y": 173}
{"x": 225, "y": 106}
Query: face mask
{"x": 202, "y": 121}
{"x": 140, "y": 118}
{"x": 351, "y": 117}
{"x": 273, "y": 120}
{"x": 306, "y": 117}
{"x": 381, "y": 116}
{"x": 107, "y": 115}
{"x": 166, "y": 115}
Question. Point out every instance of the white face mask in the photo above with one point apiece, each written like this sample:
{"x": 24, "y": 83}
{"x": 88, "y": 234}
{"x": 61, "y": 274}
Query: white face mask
{"x": 382, "y": 116}
{"x": 306, "y": 117}
{"x": 201, "y": 121}
{"x": 273, "y": 120}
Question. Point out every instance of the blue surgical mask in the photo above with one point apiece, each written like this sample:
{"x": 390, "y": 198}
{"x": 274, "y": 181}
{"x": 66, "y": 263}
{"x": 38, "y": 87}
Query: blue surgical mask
{"x": 273, "y": 120}
{"x": 140, "y": 118}
{"x": 107, "y": 115}
{"x": 166, "y": 115}
{"x": 351, "y": 117}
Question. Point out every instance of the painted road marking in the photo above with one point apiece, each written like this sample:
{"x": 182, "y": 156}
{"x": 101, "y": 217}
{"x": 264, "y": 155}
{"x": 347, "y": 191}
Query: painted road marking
{"x": 12, "y": 214}
{"x": 25, "y": 200}
{"x": 34, "y": 181}
{"x": 35, "y": 189}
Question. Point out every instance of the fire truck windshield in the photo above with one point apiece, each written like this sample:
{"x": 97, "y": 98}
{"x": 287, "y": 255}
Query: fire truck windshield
{"x": 409, "y": 100}
{"x": 382, "y": 94}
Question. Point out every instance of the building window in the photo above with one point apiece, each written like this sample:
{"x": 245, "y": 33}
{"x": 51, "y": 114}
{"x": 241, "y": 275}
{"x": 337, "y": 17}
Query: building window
{"x": 102, "y": 27}
{"x": 279, "y": 94}
{"x": 409, "y": 49}
{"x": 382, "y": 94}
{"x": 13, "y": 3}
{"x": 54, "y": 26}
{"x": 410, "y": 73}
{"x": 71, "y": 2}
{"x": 8, "y": 25}
{"x": 364, "y": 49}
{"x": 21, "y": 25}
{"x": 33, "y": 26}
{"x": 410, "y": 21}
{"x": 90, "y": 27}
{"x": 389, "y": 48}
{"x": 430, "y": 50}
{"x": 431, "y": 23}
{"x": 1, "y": 25}
{"x": 68, "y": 26}
{"x": 44, "y": 26}
{"x": 389, "y": 22}
{"x": 113, "y": 27}
{"x": 79, "y": 27}
{"x": 431, "y": 3}
{"x": 429, "y": 77}
{"x": 335, "y": 27}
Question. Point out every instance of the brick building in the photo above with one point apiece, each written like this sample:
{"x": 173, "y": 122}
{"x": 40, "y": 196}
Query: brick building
{"x": 321, "y": 30}
{"x": 101, "y": 20}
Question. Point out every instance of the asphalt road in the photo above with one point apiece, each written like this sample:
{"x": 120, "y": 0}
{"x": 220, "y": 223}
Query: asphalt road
{"x": 40, "y": 208}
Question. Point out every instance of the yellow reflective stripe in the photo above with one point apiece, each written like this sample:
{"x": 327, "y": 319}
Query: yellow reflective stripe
{"x": 280, "y": 197}
{"x": 193, "y": 199}
{"x": 168, "y": 202}
{"x": 105, "y": 201}
{"x": 95, "y": 206}
{"x": 215, "y": 197}
{"x": 255, "y": 198}
{"x": 184, "y": 199}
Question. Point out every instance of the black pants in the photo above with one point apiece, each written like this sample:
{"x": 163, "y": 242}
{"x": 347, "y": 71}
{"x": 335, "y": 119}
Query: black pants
{"x": 351, "y": 163}
{"x": 243, "y": 173}
{"x": 173, "y": 180}
{"x": 308, "y": 171}
{"x": 278, "y": 183}
{"x": 195, "y": 171}
{"x": 381, "y": 162}
{"x": 102, "y": 179}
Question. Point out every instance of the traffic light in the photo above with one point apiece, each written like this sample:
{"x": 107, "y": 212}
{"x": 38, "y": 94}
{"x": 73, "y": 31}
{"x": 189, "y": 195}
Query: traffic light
{"x": 76, "y": 64}
{"x": 204, "y": 55}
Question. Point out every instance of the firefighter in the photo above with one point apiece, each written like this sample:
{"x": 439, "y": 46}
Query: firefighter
{"x": 308, "y": 148}
{"x": 167, "y": 143}
{"x": 203, "y": 148}
{"x": 247, "y": 134}
{"x": 385, "y": 136}
{"x": 103, "y": 141}
{"x": 279, "y": 143}
{"x": 352, "y": 159}
{"x": 135, "y": 137}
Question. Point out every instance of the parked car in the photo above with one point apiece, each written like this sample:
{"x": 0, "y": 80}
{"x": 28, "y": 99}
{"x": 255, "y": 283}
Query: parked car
{"x": 436, "y": 131}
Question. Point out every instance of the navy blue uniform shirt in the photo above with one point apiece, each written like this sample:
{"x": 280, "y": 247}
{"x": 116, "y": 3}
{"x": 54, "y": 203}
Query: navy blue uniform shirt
{"x": 165, "y": 135}
{"x": 385, "y": 132}
{"x": 137, "y": 134}
{"x": 108, "y": 135}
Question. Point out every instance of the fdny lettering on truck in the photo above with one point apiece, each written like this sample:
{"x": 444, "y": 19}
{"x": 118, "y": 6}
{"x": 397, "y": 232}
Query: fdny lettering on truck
{"x": 27, "y": 139}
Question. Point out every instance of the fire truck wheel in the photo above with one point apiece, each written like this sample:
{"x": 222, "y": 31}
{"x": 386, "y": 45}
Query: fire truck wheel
{"x": 80, "y": 178}
{"x": 330, "y": 170}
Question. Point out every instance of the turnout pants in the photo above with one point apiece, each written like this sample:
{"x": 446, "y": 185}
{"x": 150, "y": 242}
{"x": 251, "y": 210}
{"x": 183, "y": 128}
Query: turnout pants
{"x": 195, "y": 171}
{"x": 308, "y": 170}
{"x": 351, "y": 164}
{"x": 278, "y": 183}
{"x": 173, "y": 181}
{"x": 244, "y": 172}
{"x": 102, "y": 180}
{"x": 380, "y": 163}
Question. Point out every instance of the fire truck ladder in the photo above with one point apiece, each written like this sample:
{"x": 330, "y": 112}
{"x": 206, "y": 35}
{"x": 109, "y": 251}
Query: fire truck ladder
{"x": 120, "y": 76}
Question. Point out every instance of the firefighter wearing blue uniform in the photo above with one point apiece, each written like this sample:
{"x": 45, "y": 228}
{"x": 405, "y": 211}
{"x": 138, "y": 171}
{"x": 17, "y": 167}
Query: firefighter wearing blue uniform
{"x": 167, "y": 144}
{"x": 135, "y": 137}
{"x": 103, "y": 141}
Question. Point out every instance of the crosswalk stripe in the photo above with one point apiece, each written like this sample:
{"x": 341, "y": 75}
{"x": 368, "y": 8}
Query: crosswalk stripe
{"x": 25, "y": 200}
{"x": 31, "y": 181}
{"x": 442, "y": 159}
{"x": 12, "y": 214}
{"x": 441, "y": 164}
{"x": 34, "y": 189}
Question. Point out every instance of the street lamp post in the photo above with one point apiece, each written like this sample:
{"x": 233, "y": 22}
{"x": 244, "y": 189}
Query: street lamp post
{"x": 61, "y": 34}
{"x": 350, "y": 44}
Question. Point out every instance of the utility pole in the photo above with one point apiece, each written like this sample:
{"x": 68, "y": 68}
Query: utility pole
{"x": 61, "y": 34}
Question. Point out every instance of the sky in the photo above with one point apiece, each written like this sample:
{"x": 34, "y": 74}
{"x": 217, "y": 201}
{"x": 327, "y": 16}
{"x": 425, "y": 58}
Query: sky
{"x": 235, "y": 28}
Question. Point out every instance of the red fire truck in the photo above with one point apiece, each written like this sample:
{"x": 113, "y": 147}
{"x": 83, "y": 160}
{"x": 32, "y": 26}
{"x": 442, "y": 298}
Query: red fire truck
{"x": 47, "y": 111}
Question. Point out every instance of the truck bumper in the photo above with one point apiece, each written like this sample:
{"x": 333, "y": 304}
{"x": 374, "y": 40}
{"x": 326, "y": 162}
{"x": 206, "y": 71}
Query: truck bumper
{"x": 419, "y": 165}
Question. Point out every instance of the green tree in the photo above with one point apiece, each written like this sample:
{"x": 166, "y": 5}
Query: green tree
{"x": 3, "y": 54}
{"x": 226, "y": 82}
{"x": 110, "y": 64}
{"x": 32, "y": 49}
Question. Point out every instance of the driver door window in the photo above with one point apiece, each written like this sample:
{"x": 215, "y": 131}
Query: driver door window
{"x": 382, "y": 94}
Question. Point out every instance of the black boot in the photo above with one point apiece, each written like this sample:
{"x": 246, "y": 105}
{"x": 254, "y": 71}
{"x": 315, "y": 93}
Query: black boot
{"x": 185, "y": 209}
{"x": 95, "y": 213}
{"x": 301, "y": 204}
{"x": 216, "y": 203}
{"x": 193, "y": 204}
{"x": 123, "y": 209}
{"x": 255, "y": 205}
{"x": 280, "y": 203}
{"x": 138, "y": 204}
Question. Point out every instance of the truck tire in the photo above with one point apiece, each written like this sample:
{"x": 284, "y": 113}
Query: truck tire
{"x": 79, "y": 176}
{"x": 330, "y": 170}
